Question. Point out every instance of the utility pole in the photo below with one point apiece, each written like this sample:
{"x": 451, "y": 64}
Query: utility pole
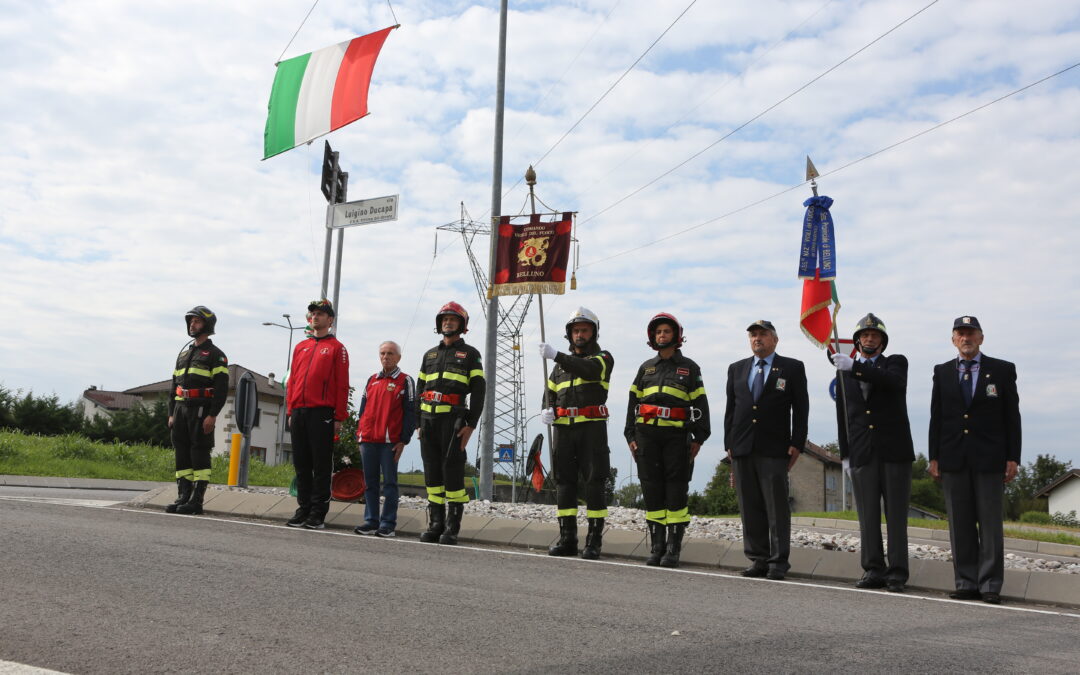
{"x": 487, "y": 432}
{"x": 335, "y": 186}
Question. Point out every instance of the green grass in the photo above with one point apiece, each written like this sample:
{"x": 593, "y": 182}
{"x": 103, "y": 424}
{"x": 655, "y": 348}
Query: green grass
{"x": 1051, "y": 537}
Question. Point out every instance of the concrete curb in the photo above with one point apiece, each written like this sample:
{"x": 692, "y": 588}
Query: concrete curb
{"x": 1046, "y": 588}
{"x": 80, "y": 483}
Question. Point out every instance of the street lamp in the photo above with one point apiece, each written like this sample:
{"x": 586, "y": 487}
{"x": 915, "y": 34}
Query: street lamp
{"x": 288, "y": 364}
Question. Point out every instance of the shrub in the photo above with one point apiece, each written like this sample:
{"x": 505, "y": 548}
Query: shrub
{"x": 9, "y": 449}
{"x": 1037, "y": 517}
{"x": 1067, "y": 519}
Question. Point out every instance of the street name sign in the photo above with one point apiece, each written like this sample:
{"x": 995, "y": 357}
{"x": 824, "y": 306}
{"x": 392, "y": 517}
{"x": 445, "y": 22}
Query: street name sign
{"x": 365, "y": 212}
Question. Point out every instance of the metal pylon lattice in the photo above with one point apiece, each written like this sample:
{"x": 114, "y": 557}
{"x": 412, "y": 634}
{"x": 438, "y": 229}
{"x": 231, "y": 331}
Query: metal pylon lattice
{"x": 509, "y": 391}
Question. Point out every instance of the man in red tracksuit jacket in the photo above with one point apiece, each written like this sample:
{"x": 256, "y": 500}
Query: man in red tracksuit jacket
{"x": 317, "y": 404}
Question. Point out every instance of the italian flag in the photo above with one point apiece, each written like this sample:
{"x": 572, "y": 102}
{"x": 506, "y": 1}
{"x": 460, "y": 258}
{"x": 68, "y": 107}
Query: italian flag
{"x": 319, "y": 92}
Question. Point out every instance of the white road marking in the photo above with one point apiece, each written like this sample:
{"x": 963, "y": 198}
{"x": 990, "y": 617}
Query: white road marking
{"x": 93, "y": 503}
{"x": 13, "y": 668}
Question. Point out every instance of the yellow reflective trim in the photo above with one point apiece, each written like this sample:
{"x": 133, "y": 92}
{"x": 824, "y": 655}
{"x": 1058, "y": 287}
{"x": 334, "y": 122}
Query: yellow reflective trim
{"x": 601, "y": 513}
{"x": 659, "y": 422}
{"x": 178, "y": 372}
{"x": 200, "y": 474}
{"x": 649, "y": 390}
{"x": 672, "y": 391}
{"x": 680, "y": 516}
{"x": 437, "y": 409}
{"x": 476, "y": 373}
{"x": 184, "y": 473}
{"x": 657, "y": 516}
{"x": 459, "y": 496}
{"x": 551, "y": 385}
{"x": 178, "y": 398}
{"x": 563, "y": 513}
{"x": 435, "y": 490}
{"x": 558, "y": 387}
{"x": 199, "y": 371}
{"x": 579, "y": 418}
{"x": 435, "y": 495}
{"x": 603, "y": 365}
{"x": 578, "y": 382}
{"x": 220, "y": 369}
{"x": 700, "y": 391}
{"x": 455, "y": 377}
{"x": 424, "y": 377}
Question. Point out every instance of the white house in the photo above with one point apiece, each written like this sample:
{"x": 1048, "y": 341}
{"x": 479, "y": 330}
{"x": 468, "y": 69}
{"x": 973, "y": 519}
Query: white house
{"x": 1063, "y": 493}
{"x": 97, "y": 402}
{"x": 267, "y": 442}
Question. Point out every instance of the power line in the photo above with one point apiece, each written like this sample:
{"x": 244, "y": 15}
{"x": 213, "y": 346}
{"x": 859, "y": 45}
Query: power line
{"x": 833, "y": 171}
{"x": 757, "y": 116}
{"x": 297, "y": 32}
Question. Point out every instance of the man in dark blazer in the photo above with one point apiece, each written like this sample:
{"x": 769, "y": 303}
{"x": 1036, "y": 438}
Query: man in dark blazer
{"x": 764, "y": 431}
{"x": 875, "y": 442}
{"x": 975, "y": 450}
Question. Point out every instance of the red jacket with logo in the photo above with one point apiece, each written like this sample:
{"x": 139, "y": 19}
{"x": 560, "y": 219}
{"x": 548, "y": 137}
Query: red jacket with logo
{"x": 320, "y": 376}
{"x": 387, "y": 410}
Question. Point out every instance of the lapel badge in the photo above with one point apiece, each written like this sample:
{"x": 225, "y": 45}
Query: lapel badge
{"x": 460, "y": 355}
{"x": 991, "y": 390}
{"x": 682, "y": 371}
{"x": 781, "y": 384}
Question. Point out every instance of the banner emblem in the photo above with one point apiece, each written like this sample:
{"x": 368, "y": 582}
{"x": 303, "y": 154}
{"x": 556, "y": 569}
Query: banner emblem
{"x": 531, "y": 254}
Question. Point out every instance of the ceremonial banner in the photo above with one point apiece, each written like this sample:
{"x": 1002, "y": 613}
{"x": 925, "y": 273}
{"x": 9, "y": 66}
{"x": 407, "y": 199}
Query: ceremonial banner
{"x": 817, "y": 269}
{"x": 319, "y": 92}
{"x": 534, "y": 468}
{"x": 531, "y": 256}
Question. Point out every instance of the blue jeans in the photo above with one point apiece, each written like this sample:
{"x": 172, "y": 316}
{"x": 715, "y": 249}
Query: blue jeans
{"x": 378, "y": 459}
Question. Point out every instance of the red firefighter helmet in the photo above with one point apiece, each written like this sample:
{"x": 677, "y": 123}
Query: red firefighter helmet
{"x": 454, "y": 309}
{"x": 664, "y": 317}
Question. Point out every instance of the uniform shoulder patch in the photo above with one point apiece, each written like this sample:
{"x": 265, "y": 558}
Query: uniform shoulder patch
{"x": 460, "y": 355}
{"x": 682, "y": 371}
{"x": 431, "y": 355}
{"x": 650, "y": 370}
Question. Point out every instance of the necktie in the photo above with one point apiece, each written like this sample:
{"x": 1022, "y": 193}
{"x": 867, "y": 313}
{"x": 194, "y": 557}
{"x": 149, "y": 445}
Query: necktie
{"x": 759, "y": 381}
{"x": 965, "y": 382}
{"x": 865, "y": 386}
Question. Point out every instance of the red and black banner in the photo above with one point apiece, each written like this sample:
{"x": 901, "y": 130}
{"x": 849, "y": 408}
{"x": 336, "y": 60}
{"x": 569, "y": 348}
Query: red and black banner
{"x": 531, "y": 255}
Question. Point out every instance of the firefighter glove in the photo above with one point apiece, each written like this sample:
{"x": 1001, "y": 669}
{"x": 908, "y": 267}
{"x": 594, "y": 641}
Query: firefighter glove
{"x": 547, "y": 416}
{"x": 547, "y": 351}
{"x": 842, "y": 361}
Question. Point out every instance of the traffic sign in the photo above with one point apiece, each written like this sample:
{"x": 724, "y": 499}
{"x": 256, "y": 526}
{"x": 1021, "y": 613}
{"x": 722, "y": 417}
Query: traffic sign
{"x": 365, "y": 212}
{"x": 506, "y": 453}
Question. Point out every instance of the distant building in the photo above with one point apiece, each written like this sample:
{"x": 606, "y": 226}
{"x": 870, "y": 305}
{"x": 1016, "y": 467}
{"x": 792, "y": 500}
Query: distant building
{"x": 1063, "y": 493}
{"x": 816, "y": 482}
{"x": 267, "y": 441}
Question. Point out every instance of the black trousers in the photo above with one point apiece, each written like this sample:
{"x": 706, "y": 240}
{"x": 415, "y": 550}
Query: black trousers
{"x": 975, "y": 503}
{"x": 762, "y": 487}
{"x": 873, "y": 483}
{"x": 581, "y": 452}
{"x": 191, "y": 446}
{"x": 665, "y": 469}
{"x": 444, "y": 459}
{"x": 313, "y": 457}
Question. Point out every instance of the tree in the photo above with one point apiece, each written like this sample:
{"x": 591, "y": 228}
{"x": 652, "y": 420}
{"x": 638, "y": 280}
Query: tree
{"x": 1020, "y": 494}
{"x": 925, "y": 491}
{"x": 45, "y": 416}
{"x": 629, "y": 496}
{"x": 719, "y": 497}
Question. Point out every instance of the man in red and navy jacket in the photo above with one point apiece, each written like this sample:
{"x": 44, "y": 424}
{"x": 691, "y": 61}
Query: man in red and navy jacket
{"x": 387, "y": 418}
{"x": 317, "y": 404}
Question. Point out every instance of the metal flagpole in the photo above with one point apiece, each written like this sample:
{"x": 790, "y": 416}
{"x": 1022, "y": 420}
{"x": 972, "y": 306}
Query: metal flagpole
{"x": 811, "y": 175}
{"x": 487, "y": 426}
{"x": 340, "y": 247}
{"x": 530, "y": 180}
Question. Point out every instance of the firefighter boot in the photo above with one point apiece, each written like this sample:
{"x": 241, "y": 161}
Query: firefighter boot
{"x": 594, "y": 540}
{"x": 193, "y": 506}
{"x": 183, "y": 493}
{"x": 674, "y": 545}
{"x": 567, "y": 544}
{"x": 436, "y": 518}
{"x": 453, "y": 523}
{"x": 658, "y": 538}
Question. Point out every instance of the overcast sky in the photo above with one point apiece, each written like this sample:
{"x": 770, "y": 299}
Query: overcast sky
{"x": 131, "y": 186}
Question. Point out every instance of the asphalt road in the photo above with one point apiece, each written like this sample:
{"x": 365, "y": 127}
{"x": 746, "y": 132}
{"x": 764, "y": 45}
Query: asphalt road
{"x": 110, "y": 590}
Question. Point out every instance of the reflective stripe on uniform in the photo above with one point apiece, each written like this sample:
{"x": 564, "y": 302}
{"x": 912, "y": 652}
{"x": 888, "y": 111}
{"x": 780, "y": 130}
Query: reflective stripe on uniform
{"x": 459, "y": 496}
{"x": 700, "y": 391}
{"x": 580, "y": 418}
{"x": 220, "y": 370}
{"x": 184, "y": 473}
{"x": 603, "y": 365}
{"x": 435, "y": 495}
{"x": 200, "y": 474}
{"x": 562, "y": 513}
{"x": 680, "y": 516}
{"x": 428, "y": 408}
{"x": 660, "y": 422}
{"x": 455, "y": 377}
{"x": 657, "y": 516}
{"x": 476, "y": 373}
{"x": 600, "y": 513}
{"x": 424, "y": 377}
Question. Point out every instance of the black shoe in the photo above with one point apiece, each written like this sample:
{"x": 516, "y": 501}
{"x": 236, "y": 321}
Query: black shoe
{"x": 658, "y": 539}
{"x": 992, "y": 598}
{"x": 385, "y": 532}
{"x": 454, "y": 511}
{"x": 314, "y": 523}
{"x": 965, "y": 594}
{"x": 366, "y": 528}
{"x": 183, "y": 494}
{"x": 674, "y": 545}
{"x": 436, "y": 523}
{"x": 754, "y": 571}
{"x": 298, "y": 518}
{"x": 595, "y": 539}
{"x": 870, "y": 581}
{"x": 895, "y": 586}
{"x": 567, "y": 544}
{"x": 775, "y": 575}
{"x": 194, "y": 504}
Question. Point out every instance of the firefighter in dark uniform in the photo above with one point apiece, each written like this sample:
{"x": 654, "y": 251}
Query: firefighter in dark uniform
{"x": 200, "y": 385}
{"x": 575, "y": 403}
{"x": 450, "y": 400}
{"x": 667, "y": 420}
